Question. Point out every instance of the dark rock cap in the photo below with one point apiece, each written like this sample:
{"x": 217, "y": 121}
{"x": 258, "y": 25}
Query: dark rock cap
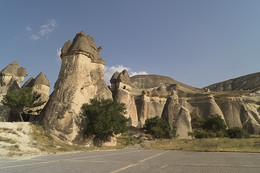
{"x": 125, "y": 78}
{"x": 29, "y": 83}
{"x": 82, "y": 44}
{"x": 114, "y": 77}
{"x": 121, "y": 77}
{"x": 41, "y": 79}
{"x": 14, "y": 69}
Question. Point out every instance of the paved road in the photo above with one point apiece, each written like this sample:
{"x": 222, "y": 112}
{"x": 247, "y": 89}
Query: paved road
{"x": 135, "y": 160}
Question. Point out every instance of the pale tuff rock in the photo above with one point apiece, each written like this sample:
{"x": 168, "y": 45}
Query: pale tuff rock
{"x": 10, "y": 78}
{"x": 122, "y": 92}
{"x": 171, "y": 110}
{"x": 80, "y": 79}
{"x": 164, "y": 97}
{"x": 178, "y": 116}
{"x": 12, "y": 73}
{"x": 41, "y": 85}
{"x": 183, "y": 124}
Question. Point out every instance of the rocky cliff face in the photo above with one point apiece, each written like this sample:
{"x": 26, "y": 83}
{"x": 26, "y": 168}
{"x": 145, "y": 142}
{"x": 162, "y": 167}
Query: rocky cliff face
{"x": 80, "y": 79}
{"x": 164, "y": 97}
{"x": 10, "y": 78}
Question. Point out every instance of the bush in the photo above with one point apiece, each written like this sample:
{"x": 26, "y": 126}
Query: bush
{"x": 196, "y": 121}
{"x": 213, "y": 127}
{"x": 158, "y": 128}
{"x": 214, "y": 123}
{"x": 200, "y": 133}
{"x": 105, "y": 118}
{"x": 236, "y": 132}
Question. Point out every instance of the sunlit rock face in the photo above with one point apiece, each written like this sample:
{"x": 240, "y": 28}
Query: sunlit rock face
{"x": 122, "y": 92}
{"x": 10, "y": 78}
{"x": 177, "y": 103}
{"x": 41, "y": 85}
{"x": 80, "y": 79}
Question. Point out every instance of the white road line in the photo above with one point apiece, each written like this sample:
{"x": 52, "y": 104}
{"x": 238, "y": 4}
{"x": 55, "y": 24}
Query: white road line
{"x": 104, "y": 155}
{"x": 164, "y": 166}
{"x": 59, "y": 160}
{"x": 29, "y": 164}
{"x": 219, "y": 165}
{"x": 139, "y": 162}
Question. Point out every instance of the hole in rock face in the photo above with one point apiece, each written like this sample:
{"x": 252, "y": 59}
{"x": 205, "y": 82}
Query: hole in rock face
{"x": 124, "y": 87}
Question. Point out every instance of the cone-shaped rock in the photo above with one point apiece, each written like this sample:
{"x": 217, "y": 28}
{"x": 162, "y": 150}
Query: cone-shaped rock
{"x": 80, "y": 79}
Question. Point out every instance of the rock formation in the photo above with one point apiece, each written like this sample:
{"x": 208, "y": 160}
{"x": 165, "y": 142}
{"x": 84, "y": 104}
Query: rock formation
{"x": 10, "y": 78}
{"x": 80, "y": 79}
{"x": 164, "y": 97}
{"x": 177, "y": 116}
{"x": 41, "y": 85}
{"x": 121, "y": 89}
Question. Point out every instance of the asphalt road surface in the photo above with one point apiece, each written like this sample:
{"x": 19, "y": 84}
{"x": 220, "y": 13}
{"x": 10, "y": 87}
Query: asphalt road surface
{"x": 135, "y": 160}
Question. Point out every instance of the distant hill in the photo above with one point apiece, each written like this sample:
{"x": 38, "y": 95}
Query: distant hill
{"x": 247, "y": 82}
{"x": 152, "y": 81}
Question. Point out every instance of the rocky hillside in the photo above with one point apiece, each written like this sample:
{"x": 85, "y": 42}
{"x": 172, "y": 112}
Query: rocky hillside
{"x": 247, "y": 82}
{"x": 147, "y": 96}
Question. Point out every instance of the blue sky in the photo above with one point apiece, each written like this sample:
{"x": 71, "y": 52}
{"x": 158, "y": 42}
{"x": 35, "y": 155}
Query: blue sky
{"x": 197, "y": 42}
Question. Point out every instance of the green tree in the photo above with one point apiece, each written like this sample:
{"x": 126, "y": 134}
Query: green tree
{"x": 105, "y": 118}
{"x": 214, "y": 123}
{"x": 214, "y": 126}
{"x": 158, "y": 128}
{"x": 22, "y": 101}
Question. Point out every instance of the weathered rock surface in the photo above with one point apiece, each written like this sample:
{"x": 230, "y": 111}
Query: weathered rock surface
{"x": 80, "y": 79}
{"x": 183, "y": 124}
{"x": 41, "y": 85}
{"x": 121, "y": 89}
{"x": 177, "y": 116}
{"x": 164, "y": 97}
{"x": 10, "y": 78}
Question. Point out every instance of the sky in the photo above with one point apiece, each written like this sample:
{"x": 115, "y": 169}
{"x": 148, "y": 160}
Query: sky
{"x": 196, "y": 42}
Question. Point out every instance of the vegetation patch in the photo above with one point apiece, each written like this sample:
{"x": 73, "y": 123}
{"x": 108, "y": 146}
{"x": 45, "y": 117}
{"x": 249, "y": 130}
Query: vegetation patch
{"x": 47, "y": 144}
{"x": 105, "y": 118}
{"x": 212, "y": 144}
{"x": 7, "y": 130}
{"x": 7, "y": 140}
{"x": 158, "y": 128}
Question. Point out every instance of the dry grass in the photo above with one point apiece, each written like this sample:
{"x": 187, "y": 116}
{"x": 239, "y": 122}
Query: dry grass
{"x": 47, "y": 144}
{"x": 6, "y": 130}
{"x": 44, "y": 142}
{"x": 7, "y": 140}
{"x": 213, "y": 144}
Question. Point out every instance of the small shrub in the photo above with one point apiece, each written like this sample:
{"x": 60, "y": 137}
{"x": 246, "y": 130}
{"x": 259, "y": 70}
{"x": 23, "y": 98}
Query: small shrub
{"x": 236, "y": 132}
{"x": 196, "y": 121}
{"x": 158, "y": 128}
{"x": 214, "y": 123}
{"x": 200, "y": 133}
